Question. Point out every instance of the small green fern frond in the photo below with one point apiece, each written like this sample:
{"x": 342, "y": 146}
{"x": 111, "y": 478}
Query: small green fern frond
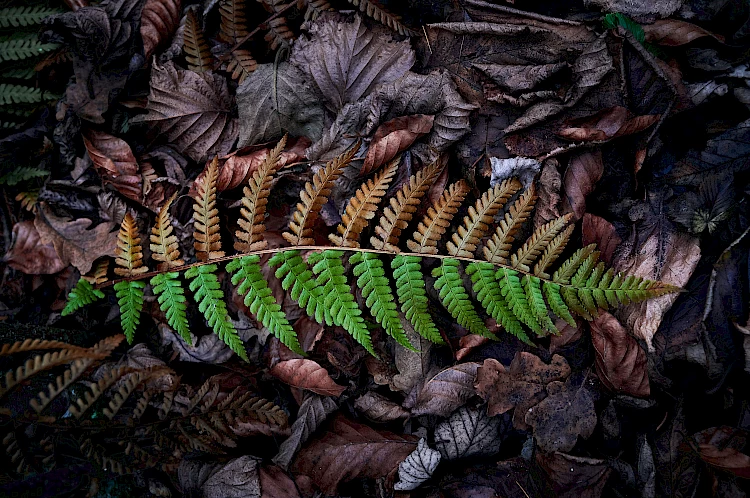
{"x": 130, "y": 298}
{"x": 17, "y": 49}
{"x": 556, "y": 303}
{"x": 362, "y": 207}
{"x": 467, "y": 236}
{"x": 233, "y": 24}
{"x": 254, "y": 201}
{"x": 313, "y": 196}
{"x": 241, "y": 64}
{"x": 206, "y": 217}
{"x": 164, "y": 245}
{"x": 410, "y": 289}
{"x": 248, "y": 277}
{"x": 381, "y": 15}
{"x": 376, "y": 291}
{"x": 21, "y": 94}
{"x": 614, "y": 19}
{"x": 16, "y": 17}
{"x": 168, "y": 290}
{"x": 499, "y": 245}
{"x": 210, "y": 298}
{"x": 515, "y": 296}
{"x": 540, "y": 240}
{"x": 81, "y": 295}
{"x": 571, "y": 265}
{"x": 129, "y": 253}
{"x": 297, "y": 278}
{"x": 197, "y": 53}
{"x": 403, "y": 206}
{"x": 331, "y": 276}
{"x": 456, "y": 299}
{"x": 533, "y": 288}
{"x": 22, "y": 174}
{"x": 491, "y": 297}
{"x": 438, "y": 219}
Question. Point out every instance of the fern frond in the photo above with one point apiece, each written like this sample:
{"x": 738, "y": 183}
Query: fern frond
{"x": 313, "y": 196}
{"x": 279, "y": 34}
{"x": 125, "y": 390}
{"x": 98, "y": 274}
{"x": 21, "y": 94}
{"x": 241, "y": 64}
{"x": 467, "y": 236}
{"x": 169, "y": 293}
{"x": 533, "y": 288}
{"x": 491, "y": 297}
{"x": 248, "y": 277}
{"x": 129, "y": 253}
{"x": 314, "y": 8}
{"x": 556, "y": 303}
{"x": 328, "y": 267}
{"x": 210, "y": 298}
{"x": 376, "y": 291}
{"x": 438, "y": 219}
{"x": 297, "y": 278}
{"x": 40, "y": 363}
{"x": 515, "y": 296}
{"x": 538, "y": 242}
{"x": 22, "y": 174}
{"x": 568, "y": 269}
{"x": 81, "y": 404}
{"x": 197, "y": 53}
{"x": 164, "y": 245}
{"x": 456, "y": 299}
{"x": 410, "y": 288}
{"x": 81, "y": 295}
{"x": 36, "y": 345}
{"x": 233, "y": 24}
{"x": 362, "y": 207}
{"x": 254, "y": 201}
{"x": 17, "y": 49}
{"x": 552, "y": 252}
{"x": 15, "y": 17}
{"x": 402, "y": 207}
{"x": 498, "y": 246}
{"x": 130, "y": 299}
{"x": 381, "y": 15}
{"x": 207, "y": 238}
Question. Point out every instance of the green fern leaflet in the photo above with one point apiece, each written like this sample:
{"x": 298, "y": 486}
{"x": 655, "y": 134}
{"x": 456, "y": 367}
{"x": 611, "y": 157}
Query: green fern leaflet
{"x": 171, "y": 297}
{"x": 130, "y": 298}
{"x": 81, "y": 295}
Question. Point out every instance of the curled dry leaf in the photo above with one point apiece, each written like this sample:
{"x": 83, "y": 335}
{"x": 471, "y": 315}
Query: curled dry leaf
{"x": 417, "y": 468}
{"x": 29, "y": 254}
{"x": 468, "y": 433}
{"x": 159, "y": 20}
{"x": 306, "y": 374}
{"x": 348, "y": 450}
{"x": 468, "y": 343}
{"x": 378, "y": 408}
{"x": 673, "y": 32}
{"x": 548, "y": 188}
{"x": 597, "y": 230}
{"x": 574, "y": 476}
{"x": 721, "y": 447}
{"x": 448, "y": 390}
{"x": 393, "y": 137}
{"x": 621, "y": 363}
{"x": 605, "y": 125}
{"x": 584, "y": 170}
{"x": 312, "y": 413}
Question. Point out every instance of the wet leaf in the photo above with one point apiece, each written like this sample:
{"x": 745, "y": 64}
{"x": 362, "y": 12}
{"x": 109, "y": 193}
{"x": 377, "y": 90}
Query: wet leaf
{"x": 620, "y": 362}
{"x": 115, "y": 163}
{"x": 468, "y": 433}
{"x": 394, "y": 137}
{"x": 597, "y": 230}
{"x": 720, "y": 447}
{"x": 159, "y": 21}
{"x": 417, "y": 468}
{"x": 584, "y": 170}
{"x": 274, "y": 483}
{"x": 238, "y": 478}
{"x": 306, "y": 374}
{"x": 29, "y": 254}
{"x": 574, "y": 476}
{"x": 447, "y": 390}
{"x": 674, "y": 32}
{"x": 312, "y": 413}
{"x": 378, "y": 408}
{"x": 606, "y": 125}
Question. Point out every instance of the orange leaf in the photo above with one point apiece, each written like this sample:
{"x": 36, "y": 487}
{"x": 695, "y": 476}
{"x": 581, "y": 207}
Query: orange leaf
{"x": 394, "y": 137}
{"x": 306, "y": 374}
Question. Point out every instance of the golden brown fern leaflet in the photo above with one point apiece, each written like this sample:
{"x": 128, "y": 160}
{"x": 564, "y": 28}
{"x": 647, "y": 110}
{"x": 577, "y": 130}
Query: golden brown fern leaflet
{"x": 197, "y": 53}
{"x": 164, "y": 246}
{"x": 233, "y": 24}
{"x": 539, "y": 241}
{"x": 241, "y": 64}
{"x": 499, "y": 245}
{"x": 206, "y": 216}
{"x": 314, "y": 196}
{"x": 402, "y": 207}
{"x": 129, "y": 252}
{"x": 254, "y": 201}
{"x": 438, "y": 219}
{"x": 363, "y": 206}
{"x": 98, "y": 274}
{"x": 467, "y": 236}
{"x": 552, "y": 252}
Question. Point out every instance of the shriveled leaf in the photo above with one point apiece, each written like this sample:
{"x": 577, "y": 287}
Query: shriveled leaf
{"x": 191, "y": 111}
{"x": 378, "y": 408}
{"x": 237, "y": 478}
{"x": 312, "y": 413}
{"x": 468, "y": 433}
{"x": 347, "y": 450}
{"x": 393, "y": 137}
{"x": 620, "y": 362}
{"x": 584, "y": 170}
{"x": 275, "y": 483}
{"x": 524, "y": 169}
{"x": 29, "y": 254}
{"x": 207, "y": 349}
{"x": 346, "y": 60}
{"x": 605, "y": 125}
{"x": 417, "y": 468}
{"x": 307, "y": 374}
{"x": 159, "y": 21}
{"x": 597, "y": 230}
{"x": 468, "y": 343}
{"x": 721, "y": 447}
{"x": 74, "y": 242}
{"x": 447, "y": 390}
{"x": 574, "y": 476}
{"x": 278, "y": 99}
{"x": 548, "y": 188}
{"x": 674, "y": 32}
{"x": 514, "y": 78}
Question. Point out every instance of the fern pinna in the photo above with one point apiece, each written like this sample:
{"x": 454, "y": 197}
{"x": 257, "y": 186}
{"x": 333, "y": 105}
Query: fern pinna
{"x": 513, "y": 283}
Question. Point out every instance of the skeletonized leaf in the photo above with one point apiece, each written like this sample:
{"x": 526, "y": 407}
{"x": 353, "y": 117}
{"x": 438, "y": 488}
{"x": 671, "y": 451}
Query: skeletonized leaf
{"x": 191, "y": 111}
{"x": 447, "y": 391}
{"x": 620, "y": 362}
{"x": 29, "y": 255}
{"x": 312, "y": 413}
{"x": 394, "y": 137}
{"x": 417, "y": 468}
{"x": 306, "y": 374}
{"x": 378, "y": 408}
{"x": 468, "y": 433}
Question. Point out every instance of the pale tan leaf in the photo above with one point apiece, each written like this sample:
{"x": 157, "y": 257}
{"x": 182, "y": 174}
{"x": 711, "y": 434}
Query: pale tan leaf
{"x": 448, "y": 390}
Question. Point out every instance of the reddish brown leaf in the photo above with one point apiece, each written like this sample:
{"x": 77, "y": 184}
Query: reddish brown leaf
{"x": 306, "y": 374}
{"x": 673, "y": 32}
{"x": 275, "y": 483}
{"x": 548, "y": 193}
{"x": 115, "y": 163}
{"x": 378, "y": 408}
{"x": 620, "y": 361}
{"x": 394, "y": 137}
{"x": 468, "y": 343}
{"x": 597, "y": 230}
{"x": 574, "y": 476}
{"x": 29, "y": 255}
{"x": 448, "y": 390}
{"x": 721, "y": 447}
{"x": 584, "y": 170}
{"x": 159, "y": 20}
{"x": 605, "y": 125}
{"x": 348, "y": 450}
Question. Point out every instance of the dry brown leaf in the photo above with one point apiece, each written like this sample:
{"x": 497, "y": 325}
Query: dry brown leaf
{"x": 306, "y": 374}
{"x": 275, "y": 483}
{"x": 584, "y": 170}
{"x": 378, "y": 408}
{"x": 597, "y": 230}
{"x": 311, "y": 414}
{"x": 29, "y": 255}
{"x": 574, "y": 476}
{"x": 673, "y": 32}
{"x": 605, "y": 125}
{"x": 114, "y": 162}
{"x": 159, "y": 20}
{"x": 567, "y": 334}
{"x": 721, "y": 447}
{"x": 393, "y": 137}
{"x": 548, "y": 197}
{"x": 621, "y": 363}
{"x": 448, "y": 390}
{"x": 348, "y": 450}
{"x": 515, "y": 78}
{"x": 468, "y": 343}
{"x": 74, "y": 242}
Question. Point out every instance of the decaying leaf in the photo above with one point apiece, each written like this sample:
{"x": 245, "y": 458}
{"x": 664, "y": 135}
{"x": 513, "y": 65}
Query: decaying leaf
{"x": 605, "y": 125}
{"x": 674, "y": 32}
{"x": 584, "y": 170}
{"x": 468, "y": 343}
{"x": 447, "y": 390}
{"x": 721, "y": 447}
{"x": 378, "y": 408}
{"x": 620, "y": 362}
{"x": 515, "y": 77}
{"x": 274, "y": 483}
{"x": 524, "y": 169}
{"x": 159, "y": 21}
{"x": 548, "y": 188}
{"x": 191, "y": 111}
{"x": 468, "y": 433}
{"x": 394, "y": 137}
{"x": 306, "y": 374}
{"x": 597, "y": 230}
{"x": 574, "y": 476}
{"x": 417, "y": 468}
{"x": 29, "y": 254}
{"x": 347, "y": 450}
{"x": 238, "y": 478}
{"x": 312, "y": 413}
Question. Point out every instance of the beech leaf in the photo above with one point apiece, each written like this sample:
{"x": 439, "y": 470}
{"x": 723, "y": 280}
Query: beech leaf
{"x": 417, "y": 468}
{"x": 447, "y": 390}
{"x": 673, "y": 32}
{"x": 306, "y": 374}
{"x": 468, "y": 433}
{"x": 29, "y": 254}
{"x": 584, "y": 170}
{"x": 312, "y": 413}
{"x": 393, "y": 137}
{"x": 605, "y": 125}
{"x": 159, "y": 20}
{"x": 191, "y": 111}
{"x": 378, "y": 408}
{"x": 620, "y": 362}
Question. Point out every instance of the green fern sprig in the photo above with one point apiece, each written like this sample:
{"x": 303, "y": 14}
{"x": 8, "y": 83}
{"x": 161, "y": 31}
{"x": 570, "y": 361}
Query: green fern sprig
{"x": 81, "y": 295}
{"x": 297, "y": 278}
{"x": 456, "y": 299}
{"x": 17, "y": 49}
{"x": 15, "y": 17}
{"x": 21, "y": 94}
{"x": 22, "y": 174}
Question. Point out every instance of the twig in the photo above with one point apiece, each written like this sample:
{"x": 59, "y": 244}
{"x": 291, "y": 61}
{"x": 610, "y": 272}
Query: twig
{"x": 252, "y": 33}
{"x": 519, "y": 12}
